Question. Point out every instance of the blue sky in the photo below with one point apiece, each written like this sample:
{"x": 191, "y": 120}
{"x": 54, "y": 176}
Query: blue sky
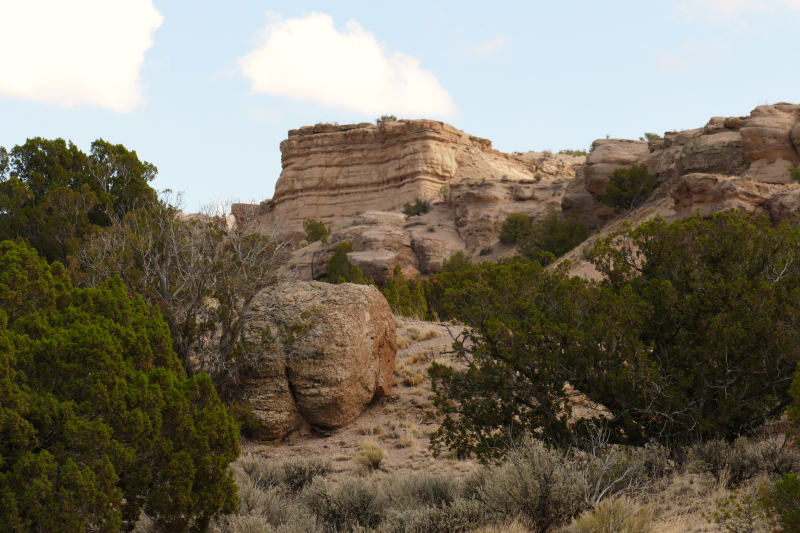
{"x": 207, "y": 90}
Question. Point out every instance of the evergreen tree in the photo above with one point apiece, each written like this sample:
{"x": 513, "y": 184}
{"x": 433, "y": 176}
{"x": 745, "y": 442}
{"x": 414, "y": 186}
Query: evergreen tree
{"x": 98, "y": 422}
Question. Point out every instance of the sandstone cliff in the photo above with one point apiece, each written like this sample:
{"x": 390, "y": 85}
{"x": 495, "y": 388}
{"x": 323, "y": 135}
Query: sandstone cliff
{"x": 356, "y": 179}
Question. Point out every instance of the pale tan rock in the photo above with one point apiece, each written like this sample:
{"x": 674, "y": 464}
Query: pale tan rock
{"x": 375, "y": 264}
{"x": 334, "y": 370}
{"x": 766, "y": 134}
{"x": 706, "y": 194}
{"x": 719, "y": 152}
{"x": 785, "y": 204}
{"x": 607, "y": 156}
{"x": 775, "y": 172}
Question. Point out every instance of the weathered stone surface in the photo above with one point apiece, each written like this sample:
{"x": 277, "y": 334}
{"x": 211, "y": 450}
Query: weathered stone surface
{"x": 719, "y": 152}
{"x": 766, "y": 134}
{"x": 334, "y": 370}
{"x": 707, "y": 194}
{"x": 375, "y": 264}
{"x": 785, "y": 205}
{"x": 334, "y": 172}
{"x": 761, "y": 146}
{"x": 608, "y": 155}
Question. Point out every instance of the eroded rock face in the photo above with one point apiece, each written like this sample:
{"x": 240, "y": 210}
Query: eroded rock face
{"x": 332, "y": 173}
{"x": 333, "y": 371}
{"x": 762, "y": 147}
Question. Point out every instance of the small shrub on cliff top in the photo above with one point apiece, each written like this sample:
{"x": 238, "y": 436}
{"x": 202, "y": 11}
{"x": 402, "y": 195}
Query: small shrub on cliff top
{"x": 316, "y": 231}
{"x": 385, "y": 118}
{"x": 650, "y": 137}
{"x": 629, "y": 187}
{"x": 576, "y": 153}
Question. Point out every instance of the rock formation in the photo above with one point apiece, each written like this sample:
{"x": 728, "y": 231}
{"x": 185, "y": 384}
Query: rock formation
{"x": 762, "y": 146}
{"x": 356, "y": 179}
{"x": 332, "y": 371}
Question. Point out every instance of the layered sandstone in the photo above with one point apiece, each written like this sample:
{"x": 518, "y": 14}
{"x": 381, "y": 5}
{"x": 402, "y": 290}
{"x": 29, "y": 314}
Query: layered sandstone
{"x": 332, "y": 173}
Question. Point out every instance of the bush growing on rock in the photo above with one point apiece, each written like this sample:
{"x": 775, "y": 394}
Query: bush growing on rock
{"x": 341, "y": 271}
{"x": 629, "y": 187}
{"x": 420, "y": 207}
{"x": 98, "y": 421}
{"x": 316, "y": 231}
{"x": 385, "y": 118}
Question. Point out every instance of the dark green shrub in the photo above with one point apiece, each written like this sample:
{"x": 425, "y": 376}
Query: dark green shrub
{"x": 458, "y": 262}
{"x": 515, "y": 227}
{"x": 678, "y": 300}
{"x": 98, "y": 421}
{"x": 650, "y": 137}
{"x": 52, "y": 195}
{"x": 783, "y": 498}
{"x": 341, "y": 271}
{"x": 629, "y": 187}
{"x": 405, "y": 297}
{"x": 554, "y": 235}
{"x": 795, "y": 174}
{"x": 385, "y": 118}
{"x": 316, "y": 231}
{"x": 420, "y": 207}
{"x": 578, "y": 153}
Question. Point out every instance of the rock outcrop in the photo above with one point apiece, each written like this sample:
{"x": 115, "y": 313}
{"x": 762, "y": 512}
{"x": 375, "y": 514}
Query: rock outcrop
{"x": 762, "y": 146}
{"x": 332, "y": 173}
{"x": 333, "y": 370}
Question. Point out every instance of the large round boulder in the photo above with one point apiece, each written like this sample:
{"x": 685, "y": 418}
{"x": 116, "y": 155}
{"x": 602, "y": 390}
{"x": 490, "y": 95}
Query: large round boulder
{"x": 342, "y": 358}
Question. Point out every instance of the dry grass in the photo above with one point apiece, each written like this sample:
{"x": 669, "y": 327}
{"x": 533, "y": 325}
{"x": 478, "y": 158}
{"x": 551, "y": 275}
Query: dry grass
{"x": 413, "y": 381}
{"x": 623, "y": 515}
{"x": 371, "y": 455}
{"x": 404, "y": 342}
{"x": 512, "y": 527}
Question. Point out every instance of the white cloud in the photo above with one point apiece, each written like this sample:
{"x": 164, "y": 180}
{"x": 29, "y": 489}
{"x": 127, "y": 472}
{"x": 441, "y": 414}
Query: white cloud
{"x": 76, "y": 52}
{"x": 487, "y": 48}
{"x": 308, "y": 60}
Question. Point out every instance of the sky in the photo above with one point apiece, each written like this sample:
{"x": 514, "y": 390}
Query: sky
{"x": 206, "y": 90}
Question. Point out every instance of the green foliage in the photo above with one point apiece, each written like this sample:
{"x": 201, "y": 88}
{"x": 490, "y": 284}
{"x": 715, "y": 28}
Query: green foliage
{"x": 405, "y": 297}
{"x": 577, "y": 153}
{"x": 353, "y": 502}
{"x": 52, "y": 195}
{"x": 385, "y": 118}
{"x": 515, "y": 227}
{"x": 444, "y": 193}
{"x": 420, "y": 207}
{"x": 316, "y": 231}
{"x": 554, "y": 235}
{"x": 743, "y": 512}
{"x": 98, "y": 421}
{"x": 795, "y": 174}
{"x": 458, "y": 262}
{"x": 650, "y": 137}
{"x": 783, "y": 499}
{"x": 340, "y": 269}
{"x": 629, "y": 187}
{"x": 692, "y": 336}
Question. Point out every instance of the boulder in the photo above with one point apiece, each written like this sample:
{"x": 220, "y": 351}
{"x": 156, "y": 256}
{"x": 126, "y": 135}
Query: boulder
{"x": 767, "y": 134}
{"x": 375, "y": 264}
{"x": 716, "y": 153}
{"x": 607, "y": 156}
{"x": 332, "y": 371}
{"x": 707, "y": 194}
